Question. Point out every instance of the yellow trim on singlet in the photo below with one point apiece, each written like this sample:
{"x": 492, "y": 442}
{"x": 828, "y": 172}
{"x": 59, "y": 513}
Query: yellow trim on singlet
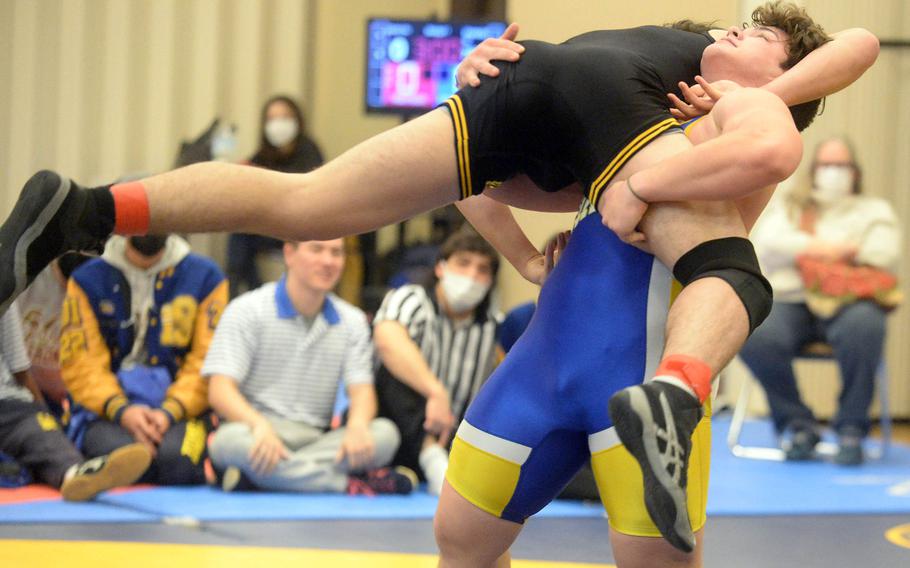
{"x": 691, "y": 124}
{"x": 623, "y": 156}
{"x": 486, "y": 480}
{"x": 461, "y": 144}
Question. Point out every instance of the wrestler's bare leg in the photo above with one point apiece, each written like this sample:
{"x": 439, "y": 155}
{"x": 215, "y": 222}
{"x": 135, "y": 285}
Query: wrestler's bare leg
{"x": 469, "y": 537}
{"x": 390, "y": 177}
{"x": 646, "y": 552}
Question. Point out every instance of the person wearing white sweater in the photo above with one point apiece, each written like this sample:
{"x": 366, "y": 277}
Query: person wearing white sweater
{"x": 832, "y": 222}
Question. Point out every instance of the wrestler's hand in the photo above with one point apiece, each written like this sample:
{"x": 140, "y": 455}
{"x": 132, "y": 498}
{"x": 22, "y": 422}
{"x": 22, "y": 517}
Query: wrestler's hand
{"x": 538, "y": 267}
{"x": 621, "y": 212}
{"x": 700, "y": 98}
{"x": 481, "y": 57}
{"x": 439, "y": 419}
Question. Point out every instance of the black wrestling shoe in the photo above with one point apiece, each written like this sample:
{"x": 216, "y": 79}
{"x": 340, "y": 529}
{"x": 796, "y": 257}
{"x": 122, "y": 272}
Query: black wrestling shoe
{"x": 49, "y": 219}
{"x": 655, "y": 422}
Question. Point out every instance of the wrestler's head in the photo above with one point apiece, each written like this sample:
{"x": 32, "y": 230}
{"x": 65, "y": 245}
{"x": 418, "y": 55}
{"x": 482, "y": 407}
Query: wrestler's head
{"x": 780, "y": 35}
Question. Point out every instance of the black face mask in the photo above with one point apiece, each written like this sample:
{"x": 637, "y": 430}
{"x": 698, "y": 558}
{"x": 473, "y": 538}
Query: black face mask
{"x": 69, "y": 262}
{"x": 149, "y": 245}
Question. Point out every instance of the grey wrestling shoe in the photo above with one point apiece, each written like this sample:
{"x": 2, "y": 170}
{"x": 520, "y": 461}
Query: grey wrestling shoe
{"x": 655, "y": 422}
{"x": 48, "y": 220}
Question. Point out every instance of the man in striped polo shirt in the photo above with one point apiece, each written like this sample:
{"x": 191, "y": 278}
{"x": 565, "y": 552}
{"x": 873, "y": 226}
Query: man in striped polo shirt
{"x": 437, "y": 346}
{"x": 274, "y": 367}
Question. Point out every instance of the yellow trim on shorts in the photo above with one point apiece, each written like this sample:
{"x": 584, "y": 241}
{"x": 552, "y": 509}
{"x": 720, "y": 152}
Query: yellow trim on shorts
{"x": 486, "y": 480}
{"x": 624, "y": 155}
{"x": 456, "y": 108}
{"x": 691, "y": 124}
{"x": 621, "y": 486}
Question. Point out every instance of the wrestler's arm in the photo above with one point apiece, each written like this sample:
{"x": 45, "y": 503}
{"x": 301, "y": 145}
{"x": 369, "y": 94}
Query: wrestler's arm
{"x": 825, "y": 71}
{"x": 494, "y": 221}
{"x": 829, "y": 68}
{"x": 757, "y": 146}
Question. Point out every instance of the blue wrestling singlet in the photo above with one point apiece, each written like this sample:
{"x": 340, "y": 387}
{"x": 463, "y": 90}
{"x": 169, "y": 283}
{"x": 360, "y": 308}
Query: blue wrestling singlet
{"x": 598, "y": 328}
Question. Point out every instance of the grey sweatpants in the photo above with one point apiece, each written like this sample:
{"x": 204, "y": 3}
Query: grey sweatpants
{"x": 311, "y": 465}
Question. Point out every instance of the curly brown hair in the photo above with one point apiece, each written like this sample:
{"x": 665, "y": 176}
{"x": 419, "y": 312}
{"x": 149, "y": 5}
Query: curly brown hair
{"x": 805, "y": 37}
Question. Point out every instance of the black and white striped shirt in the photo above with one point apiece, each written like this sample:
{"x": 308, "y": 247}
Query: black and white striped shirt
{"x": 460, "y": 354}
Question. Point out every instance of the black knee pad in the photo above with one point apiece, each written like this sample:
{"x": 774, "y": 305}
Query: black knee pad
{"x": 733, "y": 260}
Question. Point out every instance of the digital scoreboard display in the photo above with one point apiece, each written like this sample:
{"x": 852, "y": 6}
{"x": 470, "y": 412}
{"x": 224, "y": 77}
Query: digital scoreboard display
{"x": 411, "y": 64}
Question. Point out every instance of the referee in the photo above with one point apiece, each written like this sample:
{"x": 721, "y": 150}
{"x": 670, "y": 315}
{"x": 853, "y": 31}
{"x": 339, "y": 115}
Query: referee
{"x": 436, "y": 346}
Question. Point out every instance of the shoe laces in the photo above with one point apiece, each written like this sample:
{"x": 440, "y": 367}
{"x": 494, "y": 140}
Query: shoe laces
{"x": 673, "y": 454}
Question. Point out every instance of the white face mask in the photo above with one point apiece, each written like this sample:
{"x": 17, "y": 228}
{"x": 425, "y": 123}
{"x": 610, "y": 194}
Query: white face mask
{"x": 280, "y": 131}
{"x": 832, "y": 183}
{"x": 462, "y": 293}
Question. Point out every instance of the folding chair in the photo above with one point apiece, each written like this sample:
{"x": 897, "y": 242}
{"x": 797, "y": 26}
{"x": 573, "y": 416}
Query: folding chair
{"x": 816, "y": 351}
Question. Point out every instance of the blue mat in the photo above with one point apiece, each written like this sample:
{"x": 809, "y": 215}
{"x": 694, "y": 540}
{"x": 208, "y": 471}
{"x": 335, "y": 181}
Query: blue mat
{"x": 171, "y": 504}
{"x": 738, "y": 487}
{"x": 754, "y": 487}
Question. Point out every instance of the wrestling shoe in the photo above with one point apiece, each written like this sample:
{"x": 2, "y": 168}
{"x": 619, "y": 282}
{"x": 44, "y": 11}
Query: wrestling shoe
{"x": 655, "y": 422}
{"x": 121, "y": 467}
{"x": 400, "y": 481}
{"x": 49, "y": 219}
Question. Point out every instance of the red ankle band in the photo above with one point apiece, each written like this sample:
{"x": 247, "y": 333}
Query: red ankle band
{"x": 694, "y": 372}
{"x": 131, "y": 208}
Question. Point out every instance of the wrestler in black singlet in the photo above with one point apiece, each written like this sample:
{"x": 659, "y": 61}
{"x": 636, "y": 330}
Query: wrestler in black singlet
{"x": 576, "y": 111}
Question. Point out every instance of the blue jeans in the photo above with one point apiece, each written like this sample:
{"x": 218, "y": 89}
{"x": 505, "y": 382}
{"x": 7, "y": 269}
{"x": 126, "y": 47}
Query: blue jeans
{"x": 856, "y": 334}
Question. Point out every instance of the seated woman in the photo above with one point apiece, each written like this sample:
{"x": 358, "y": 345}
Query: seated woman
{"x": 810, "y": 230}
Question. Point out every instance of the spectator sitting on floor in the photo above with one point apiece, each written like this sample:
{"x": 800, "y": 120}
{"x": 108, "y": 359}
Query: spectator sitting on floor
{"x": 40, "y": 306}
{"x": 437, "y": 347}
{"x": 846, "y": 247}
{"x": 33, "y": 438}
{"x": 274, "y": 368}
{"x": 136, "y": 325}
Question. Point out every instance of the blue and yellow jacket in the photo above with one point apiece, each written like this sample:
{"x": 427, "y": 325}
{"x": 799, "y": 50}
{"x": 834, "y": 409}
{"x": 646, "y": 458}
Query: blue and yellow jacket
{"x": 186, "y": 297}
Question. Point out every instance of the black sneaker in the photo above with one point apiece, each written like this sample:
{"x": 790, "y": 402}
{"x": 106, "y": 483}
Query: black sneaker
{"x": 850, "y": 446}
{"x": 802, "y": 442}
{"x": 655, "y": 422}
{"x": 400, "y": 480}
{"x": 121, "y": 467}
{"x": 46, "y": 222}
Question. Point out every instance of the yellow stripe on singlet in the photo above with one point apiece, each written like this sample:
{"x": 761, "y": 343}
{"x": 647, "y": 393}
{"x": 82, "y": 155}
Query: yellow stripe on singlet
{"x": 462, "y": 149}
{"x": 623, "y": 156}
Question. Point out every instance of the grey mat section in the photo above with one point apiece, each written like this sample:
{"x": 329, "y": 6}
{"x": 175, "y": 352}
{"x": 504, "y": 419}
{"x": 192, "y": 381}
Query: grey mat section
{"x": 853, "y": 541}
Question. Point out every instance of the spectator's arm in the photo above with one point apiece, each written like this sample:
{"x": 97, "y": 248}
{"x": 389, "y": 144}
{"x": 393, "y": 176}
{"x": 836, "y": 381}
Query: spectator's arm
{"x": 85, "y": 361}
{"x": 778, "y": 241}
{"x": 363, "y": 405}
{"x": 881, "y": 246}
{"x": 403, "y": 359}
{"x": 25, "y": 379}
{"x": 229, "y": 403}
{"x": 187, "y": 397}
